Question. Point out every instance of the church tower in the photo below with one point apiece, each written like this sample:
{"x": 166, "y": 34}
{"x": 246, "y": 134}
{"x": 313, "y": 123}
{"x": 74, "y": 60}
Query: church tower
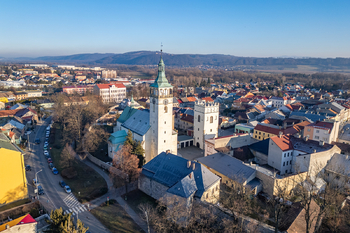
{"x": 163, "y": 137}
{"x": 205, "y": 122}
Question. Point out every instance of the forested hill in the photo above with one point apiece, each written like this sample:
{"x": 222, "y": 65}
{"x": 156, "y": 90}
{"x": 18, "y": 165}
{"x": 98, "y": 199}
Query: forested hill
{"x": 190, "y": 60}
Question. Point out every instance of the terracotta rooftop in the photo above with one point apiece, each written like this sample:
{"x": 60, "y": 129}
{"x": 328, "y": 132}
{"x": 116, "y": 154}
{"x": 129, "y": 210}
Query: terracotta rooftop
{"x": 104, "y": 86}
{"x": 283, "y": 142}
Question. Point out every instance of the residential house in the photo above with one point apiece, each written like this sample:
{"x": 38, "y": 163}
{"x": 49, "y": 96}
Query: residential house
{"x": 322, "y": 131}
{"x": 230, "y": 142}
{"x": 231, "y": 171}
{"x": 21, "y": 95}
{"x": 25, "y": 223}
{"x": 337, "y": 172}
{"x": 77, "y": 89}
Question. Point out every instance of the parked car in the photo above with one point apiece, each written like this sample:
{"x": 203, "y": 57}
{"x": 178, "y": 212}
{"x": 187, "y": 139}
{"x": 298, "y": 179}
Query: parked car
{"x": 40, "y": 190}
{"x": 46, "y": 153}
{"x": 55, "y": 171}
{"x": 45, "y": 147}
{"x": 62, "y": 183}
{"x": 28, "y": 168}
{"x": 49, "y": 160}
{"x": 67, "y": 189}
{"x": 51, "y": 165}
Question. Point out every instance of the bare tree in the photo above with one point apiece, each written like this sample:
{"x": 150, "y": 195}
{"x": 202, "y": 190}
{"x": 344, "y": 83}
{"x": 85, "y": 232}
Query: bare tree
{"x": 67, "y": 156}
{"x": 127, "y": 162}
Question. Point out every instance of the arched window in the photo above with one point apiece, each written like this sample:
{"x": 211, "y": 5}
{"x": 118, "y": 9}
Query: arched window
{"x": 211, "y": 119}
{"x": 199, "y": 118}
{"x": 171, "y": 91}
{"x": 165, "y": 109}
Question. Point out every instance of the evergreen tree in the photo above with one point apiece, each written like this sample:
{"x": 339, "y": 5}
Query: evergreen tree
{"x": 64, "y": 223}
{"x": 139, "y": 152}
{"x": 129, "y": 140}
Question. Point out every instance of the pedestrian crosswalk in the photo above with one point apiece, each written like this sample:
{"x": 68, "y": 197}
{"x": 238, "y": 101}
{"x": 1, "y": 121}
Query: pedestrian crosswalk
{"x": 75, "y": 210}
{"x": 74, "y": 206}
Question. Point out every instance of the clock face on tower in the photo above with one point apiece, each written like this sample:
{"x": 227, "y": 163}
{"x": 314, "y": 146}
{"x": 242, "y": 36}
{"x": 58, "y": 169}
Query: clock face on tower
{"x": 165, "y": 102}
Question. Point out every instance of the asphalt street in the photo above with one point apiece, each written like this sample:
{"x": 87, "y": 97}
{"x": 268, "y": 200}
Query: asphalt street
{"x": 55, "y": 196}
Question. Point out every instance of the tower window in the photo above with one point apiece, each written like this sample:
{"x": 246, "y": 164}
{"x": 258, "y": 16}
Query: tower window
{"x": 165, "y": 109}
{"x": 211, "y": 119}
{"x": 164, "y": 141}
{"x": 199, "y": 118}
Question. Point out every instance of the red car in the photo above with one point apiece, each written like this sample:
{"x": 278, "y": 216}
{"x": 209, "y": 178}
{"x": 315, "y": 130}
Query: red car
{"x": 49, "y": 160}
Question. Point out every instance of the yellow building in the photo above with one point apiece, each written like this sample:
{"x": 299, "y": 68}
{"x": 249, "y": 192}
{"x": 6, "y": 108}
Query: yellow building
{"x": 262, "y": 132}
{"x": 13, "y": 182}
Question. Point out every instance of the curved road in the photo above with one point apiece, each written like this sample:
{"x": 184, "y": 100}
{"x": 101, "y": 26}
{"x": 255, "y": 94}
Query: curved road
{"x": 55, "y": 196}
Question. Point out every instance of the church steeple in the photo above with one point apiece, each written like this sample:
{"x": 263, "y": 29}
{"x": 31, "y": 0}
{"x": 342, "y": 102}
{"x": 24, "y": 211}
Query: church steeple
{"x": 161, "y": 80}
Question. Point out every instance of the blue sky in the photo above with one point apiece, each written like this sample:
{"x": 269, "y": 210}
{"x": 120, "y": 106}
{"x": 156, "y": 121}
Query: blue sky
{"x": 259, "y": 28}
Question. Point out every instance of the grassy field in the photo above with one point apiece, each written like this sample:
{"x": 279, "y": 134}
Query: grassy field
{"x": 88, "y": 184}
{"x": 136, "y": 197}
{"x": 115, "y": 218}
{"x": 14, "y": 204}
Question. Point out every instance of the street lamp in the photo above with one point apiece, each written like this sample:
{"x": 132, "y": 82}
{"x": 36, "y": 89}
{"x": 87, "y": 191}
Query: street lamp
{"x": 36, "y": 185}
{"x": 36, "y": 176}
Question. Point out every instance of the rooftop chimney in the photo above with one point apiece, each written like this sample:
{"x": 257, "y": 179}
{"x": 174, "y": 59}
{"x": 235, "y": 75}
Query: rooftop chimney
{"x": 193, "y": 166}
{"x": 167, "y": 151}
{"x": 188, "y": 164}
{"x": 190, "y": 175}
{"x": 280, "y": 134}
{"x": 306, "y": 138}
{"x": 314, "y": 150}
{"x": 321, "y": 143}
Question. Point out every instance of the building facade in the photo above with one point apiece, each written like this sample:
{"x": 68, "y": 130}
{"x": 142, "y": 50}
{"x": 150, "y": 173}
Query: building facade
{"x": 163, "y": 136}
{"x": 110, "y": 93}
{"x": 206, "y": 122}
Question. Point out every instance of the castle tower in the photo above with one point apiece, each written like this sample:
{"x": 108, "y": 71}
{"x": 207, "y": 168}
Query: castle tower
{"x": 163, "y": 137}
{"x": 205, "y": 122}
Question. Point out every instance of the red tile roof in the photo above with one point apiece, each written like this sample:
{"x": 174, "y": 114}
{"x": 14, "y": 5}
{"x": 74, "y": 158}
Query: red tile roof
{"x": 104, "y": 86}
{"x": 267, "y": 129}
{"x": 283, "y": 142}
{"x": 191, "y": 99}
{"x": 208, "y": 99}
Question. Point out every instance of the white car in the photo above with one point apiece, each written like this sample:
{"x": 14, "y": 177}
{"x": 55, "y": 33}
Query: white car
{"x": 46, "y": 153}
{"x": 67, "y": 189}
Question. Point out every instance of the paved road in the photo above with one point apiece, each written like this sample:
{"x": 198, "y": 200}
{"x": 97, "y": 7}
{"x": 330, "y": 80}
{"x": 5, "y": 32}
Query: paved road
{"x": 55, "y": 196}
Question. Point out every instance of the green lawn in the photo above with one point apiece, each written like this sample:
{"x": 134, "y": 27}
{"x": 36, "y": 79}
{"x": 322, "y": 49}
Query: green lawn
{"x": 115, "y": 218}
{"x": 136, "y": 197}
{"x": 88, "y": 184}
{"x": 14, "y": 204}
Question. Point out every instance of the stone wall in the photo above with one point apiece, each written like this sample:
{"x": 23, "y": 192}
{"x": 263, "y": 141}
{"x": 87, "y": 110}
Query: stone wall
{"x": 151, "y": 187}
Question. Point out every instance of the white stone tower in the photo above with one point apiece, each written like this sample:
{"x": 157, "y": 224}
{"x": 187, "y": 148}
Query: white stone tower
{"x": 205, "y": 122}
{"x": 163, "y": 137}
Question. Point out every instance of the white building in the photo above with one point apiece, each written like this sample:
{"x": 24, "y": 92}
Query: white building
{"x": 35, "y": 93}
{"x": 110, "y": 92}
{"x": 205, "y": 123}
{"x": 153, "y": 128}
{"x": 14, "y": 84}
{"x": 109, "y": 74}
{"x": 163, "y": 136}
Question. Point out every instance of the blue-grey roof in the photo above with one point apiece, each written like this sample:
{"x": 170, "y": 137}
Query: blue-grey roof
{"x": 183, "y": 138}
{"x": 138, "y": 122}
{"x": 228, "y": 166}
{"x": 185, "y": 187}
{"x": 254, "y": 183}
{"x": 126, "y": 114}
{"x": 313, "y": 117}
{"x": 169, "y": 169}
{"x": 262, "y": 146}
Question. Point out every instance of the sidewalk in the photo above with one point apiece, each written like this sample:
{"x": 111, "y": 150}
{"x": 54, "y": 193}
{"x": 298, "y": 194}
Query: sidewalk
{"x": 114, "y": 193}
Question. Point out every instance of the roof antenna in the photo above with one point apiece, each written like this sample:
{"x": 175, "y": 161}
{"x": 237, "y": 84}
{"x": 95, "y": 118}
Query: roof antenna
{"x": 161, "y": 50}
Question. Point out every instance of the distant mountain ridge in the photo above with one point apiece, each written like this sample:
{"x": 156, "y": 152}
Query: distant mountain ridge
{"x": 187, "y": 60}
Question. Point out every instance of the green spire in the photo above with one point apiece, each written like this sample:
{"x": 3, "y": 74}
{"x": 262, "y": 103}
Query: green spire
{"x": 161, "y": 80}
